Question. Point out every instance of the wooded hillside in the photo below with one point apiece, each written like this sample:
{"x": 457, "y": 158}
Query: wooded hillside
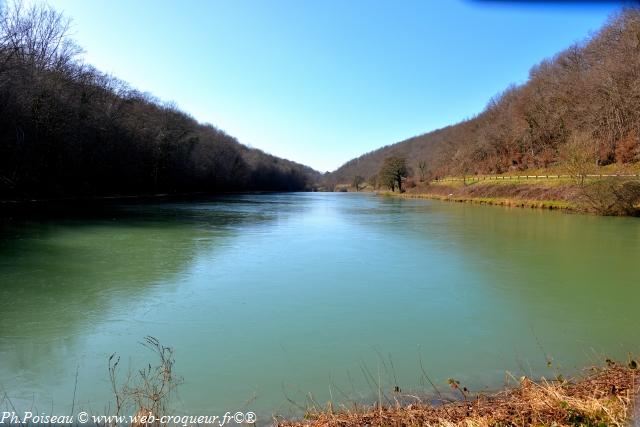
{"x": 584, "y": 100}
{"x": 68, "y": 130}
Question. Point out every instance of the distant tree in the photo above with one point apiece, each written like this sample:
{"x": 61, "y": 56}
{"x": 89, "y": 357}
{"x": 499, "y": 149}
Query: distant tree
{"x": 463, "y": 163}
{"x": 357, "y": 181}
{"x": 422, "y": 167}
{"x": 329, "y": 182}
{"x": 579, "y": 156}
{"x": 68, "y": 130}
{"x": 373, "y": 180}
{"x": 393, "y": 171}
{"x": 591, "y": 88}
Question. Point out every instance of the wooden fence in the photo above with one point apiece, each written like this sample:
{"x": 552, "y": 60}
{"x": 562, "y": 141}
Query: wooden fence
{"x": 523, "y": 177}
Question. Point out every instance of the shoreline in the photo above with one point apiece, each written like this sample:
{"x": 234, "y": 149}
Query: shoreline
{"x": 27, "y": 208}
{"x": 603, "y": 396}
{"x": 599, "y": 196}
{"x": 491, "y": 201}
{"x": 128, "y": 197}
{"x": 494, "y": 201}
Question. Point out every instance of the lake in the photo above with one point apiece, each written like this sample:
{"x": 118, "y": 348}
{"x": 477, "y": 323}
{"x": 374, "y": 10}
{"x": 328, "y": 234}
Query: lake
{"x": 268, "y": 299}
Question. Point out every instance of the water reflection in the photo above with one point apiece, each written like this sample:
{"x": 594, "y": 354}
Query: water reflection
{"x": 300, "y": 292}
{"x": 65, "y": 278}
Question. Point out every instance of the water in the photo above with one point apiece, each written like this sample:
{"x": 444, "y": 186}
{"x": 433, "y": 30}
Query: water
{"x": 266, "y": 298}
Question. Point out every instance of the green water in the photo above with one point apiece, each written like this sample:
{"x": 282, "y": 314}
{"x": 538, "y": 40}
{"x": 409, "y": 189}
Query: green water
{"x": 263, "y": 296}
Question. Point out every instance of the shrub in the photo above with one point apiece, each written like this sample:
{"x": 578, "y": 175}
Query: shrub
{"x": 612, "y": 197}
{"x": 627, "y": 149}
{"x": 578, "y": 156}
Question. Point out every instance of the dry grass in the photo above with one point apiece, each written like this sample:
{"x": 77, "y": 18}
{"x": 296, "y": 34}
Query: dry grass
{"x": 146, "y": 393}
{"x": 496, "y": 201}
{"x": 602, "y": 397}
{"x": 531, "y": 190}
{"x": 605, "y": 196}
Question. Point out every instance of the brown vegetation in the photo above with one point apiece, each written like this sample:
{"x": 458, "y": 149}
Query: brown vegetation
{"x": 603, "y": 397}
{"x": 524, "y": 195}
{"x": 68, "y": 130}
{"x": 147, "y": 393}
{"x": 611, "y": 197}
{"x": 357, "y": 182}
{"x": 580, "y": 108}
{"x": 602, "y": 196}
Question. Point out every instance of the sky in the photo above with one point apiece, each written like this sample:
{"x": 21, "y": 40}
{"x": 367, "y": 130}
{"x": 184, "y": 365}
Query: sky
{"x": 323, "y": 81}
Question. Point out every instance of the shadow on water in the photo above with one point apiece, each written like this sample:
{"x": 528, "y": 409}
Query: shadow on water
{"x": 68, "y": 269}
{"x": 111, "y": 245}
{"x": 321, "y": 293}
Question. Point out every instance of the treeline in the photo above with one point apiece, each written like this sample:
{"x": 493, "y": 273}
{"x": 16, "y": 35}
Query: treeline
{"x": 69, "y": 130}
{"x": 584, "y": 101}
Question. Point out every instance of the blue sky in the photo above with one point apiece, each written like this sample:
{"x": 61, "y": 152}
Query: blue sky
{"x": 321, "y": 82}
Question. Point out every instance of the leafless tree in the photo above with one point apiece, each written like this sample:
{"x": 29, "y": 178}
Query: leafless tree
{"x": 422, "y": 167}
{"x": 589, "y": 91}
{"x": 393, "y": 172}
{"x": 579, "y": 155}
{"x": 66, "y": 129}
{"x": 357, "y": 182}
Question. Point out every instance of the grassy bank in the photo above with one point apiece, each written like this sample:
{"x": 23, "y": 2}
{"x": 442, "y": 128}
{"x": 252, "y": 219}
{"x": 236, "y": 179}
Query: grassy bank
{"x": 603, "y": 396}
{"x": 496, "y": 201}
{"x": 556, "y": 193}
{"x": 606, "y": 195}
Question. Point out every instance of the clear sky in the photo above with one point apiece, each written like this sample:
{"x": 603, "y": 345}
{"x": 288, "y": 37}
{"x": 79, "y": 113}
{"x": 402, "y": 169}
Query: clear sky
{"x": 321, "y": 82}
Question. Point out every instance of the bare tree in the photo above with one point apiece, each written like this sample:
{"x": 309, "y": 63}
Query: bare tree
{"x": 37, "y": 35}
{"x": 393, "y": 172}
{"x": 590, "y": 89}
{"x": 422, "y": 167}
{"x": 66, "y": 129}
{"x": 357, "y": 181}
{"x": 579, "y": 156}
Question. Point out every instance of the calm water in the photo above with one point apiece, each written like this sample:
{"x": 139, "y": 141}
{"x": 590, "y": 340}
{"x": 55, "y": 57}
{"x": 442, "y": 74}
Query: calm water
{"x": 267, "y": 295}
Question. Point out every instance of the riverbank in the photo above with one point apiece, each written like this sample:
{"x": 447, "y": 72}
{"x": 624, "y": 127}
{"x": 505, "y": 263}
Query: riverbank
{"x": 539, "y": 194}
{"x": 602, "y": 397}
{"x": 495, "y": 201}
{"x": 600, "y": 195}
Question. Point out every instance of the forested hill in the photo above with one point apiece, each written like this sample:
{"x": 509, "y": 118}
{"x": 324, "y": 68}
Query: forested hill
{"x": 586, "y": 98}
{"x": 69, "y": 130}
